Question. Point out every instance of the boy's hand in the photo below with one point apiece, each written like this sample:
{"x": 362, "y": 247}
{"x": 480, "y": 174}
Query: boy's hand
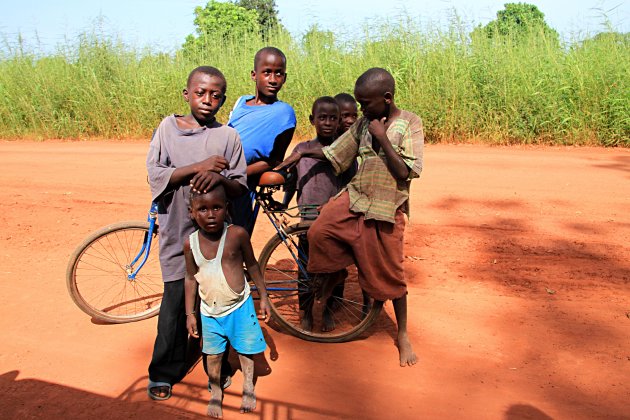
{"x": 191, "y": 325}
{"x": 289, "y": 162}
{"x": 204, "y": 181}
{"x": 265, "y": 310}
{"x": 377, "y": 128}
{"x": 214, "y": 164}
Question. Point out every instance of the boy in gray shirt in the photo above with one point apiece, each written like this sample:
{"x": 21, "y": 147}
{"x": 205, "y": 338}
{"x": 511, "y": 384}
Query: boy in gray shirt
{"x": 187, "y": 151}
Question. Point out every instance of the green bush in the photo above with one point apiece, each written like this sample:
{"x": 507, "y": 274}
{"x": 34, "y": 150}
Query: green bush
{"x": 493, "y": 89}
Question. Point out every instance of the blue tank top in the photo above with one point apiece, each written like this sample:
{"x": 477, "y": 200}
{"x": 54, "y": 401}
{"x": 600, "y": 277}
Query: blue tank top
{"x": 259, "y": 125}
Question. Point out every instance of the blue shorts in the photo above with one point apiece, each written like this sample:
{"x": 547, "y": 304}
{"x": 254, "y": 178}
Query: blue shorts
{"x": 240, "y": 327}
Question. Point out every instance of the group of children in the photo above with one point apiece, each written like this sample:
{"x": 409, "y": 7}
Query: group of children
{"x": 359, "y": 169}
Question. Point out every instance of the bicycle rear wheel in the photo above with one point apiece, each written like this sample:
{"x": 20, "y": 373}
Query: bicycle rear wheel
{"x": 97, "y": 274}
{"x": 290, "y": 293}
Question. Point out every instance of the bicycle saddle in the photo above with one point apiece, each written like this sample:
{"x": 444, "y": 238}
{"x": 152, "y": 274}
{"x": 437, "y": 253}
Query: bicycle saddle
{"x": 271, "y": 179}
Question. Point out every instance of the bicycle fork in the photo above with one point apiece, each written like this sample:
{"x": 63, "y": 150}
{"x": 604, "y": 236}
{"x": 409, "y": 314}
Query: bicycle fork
{"x": 146, "y": 245}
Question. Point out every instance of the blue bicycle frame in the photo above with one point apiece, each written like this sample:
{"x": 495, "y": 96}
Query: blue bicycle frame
{"x": 146, "y": 245}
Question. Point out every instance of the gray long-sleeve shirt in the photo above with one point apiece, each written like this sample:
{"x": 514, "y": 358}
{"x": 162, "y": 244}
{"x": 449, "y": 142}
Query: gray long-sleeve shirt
{"x": 171, "y": 148}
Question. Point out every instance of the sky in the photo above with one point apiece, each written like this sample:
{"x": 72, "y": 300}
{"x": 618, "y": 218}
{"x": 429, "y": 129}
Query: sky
{"x": 163, "y": 25}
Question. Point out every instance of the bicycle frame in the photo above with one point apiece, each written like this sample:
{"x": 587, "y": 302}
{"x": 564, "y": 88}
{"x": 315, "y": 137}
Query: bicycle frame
{"x": 146, "y": 245}
{"x": 277, "y": 212}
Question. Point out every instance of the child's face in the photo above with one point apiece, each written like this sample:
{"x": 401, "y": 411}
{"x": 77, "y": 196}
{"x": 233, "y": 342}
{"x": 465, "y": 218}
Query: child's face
{"x": 270, "y": 74}
{"x": 325, "y": 120}
{"x": 205, "y": 94}
{"x": 349, "y": 114}
{"x": 374, "y": 104}
{"x": 209, "y": 211}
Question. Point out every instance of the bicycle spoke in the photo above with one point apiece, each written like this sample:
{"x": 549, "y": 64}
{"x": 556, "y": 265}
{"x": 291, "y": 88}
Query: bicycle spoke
{"x": 99, "y": 276}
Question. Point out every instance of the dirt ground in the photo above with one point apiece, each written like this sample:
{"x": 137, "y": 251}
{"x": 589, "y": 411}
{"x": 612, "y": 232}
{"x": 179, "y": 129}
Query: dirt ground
{"x": 518, "y": 264}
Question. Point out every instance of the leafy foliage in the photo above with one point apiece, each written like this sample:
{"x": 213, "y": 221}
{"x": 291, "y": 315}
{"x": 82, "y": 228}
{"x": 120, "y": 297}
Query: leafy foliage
{"x": 218, "y": 21}
{"x": 504, "y": 89}
{"x": 267, "y": 12}
{"x": 517, "y": 20}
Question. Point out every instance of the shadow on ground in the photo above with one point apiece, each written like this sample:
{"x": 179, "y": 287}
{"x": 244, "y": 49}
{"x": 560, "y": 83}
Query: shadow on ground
{"x": 33, "y": 398}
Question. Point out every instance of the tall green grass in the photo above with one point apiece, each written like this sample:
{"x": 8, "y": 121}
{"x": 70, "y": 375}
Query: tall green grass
{"x": 530, "y": 90}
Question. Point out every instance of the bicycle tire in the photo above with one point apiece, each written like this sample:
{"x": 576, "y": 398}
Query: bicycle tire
{"x": 97, "y": 280}
{"x": 280, "y": 271}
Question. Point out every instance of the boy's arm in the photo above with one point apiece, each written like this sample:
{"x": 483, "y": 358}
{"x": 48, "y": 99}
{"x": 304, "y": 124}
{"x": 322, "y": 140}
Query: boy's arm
{"x": 395, "y": 164}
{"x": 294, "y": 158}
{"x": 280, "y": 146}
{"x": 158, "y": 169}
{"x": 184, "y": 174}
{"x": 290, "y": 186}
{"x": 253, "y": 269}
{"x": 190, "y": 291}
{"x": 204, "y": 181}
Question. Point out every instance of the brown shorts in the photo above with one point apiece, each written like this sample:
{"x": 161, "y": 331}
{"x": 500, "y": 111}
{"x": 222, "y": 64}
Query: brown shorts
{"x": 340, "y": 237}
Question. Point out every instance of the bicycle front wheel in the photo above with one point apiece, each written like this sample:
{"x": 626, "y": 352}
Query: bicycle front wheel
{"x": 98, "y": 274}
{"x": 290, "y": 289}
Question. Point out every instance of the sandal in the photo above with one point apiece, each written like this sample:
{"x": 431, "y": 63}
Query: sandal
{"x": 154, "y": 385}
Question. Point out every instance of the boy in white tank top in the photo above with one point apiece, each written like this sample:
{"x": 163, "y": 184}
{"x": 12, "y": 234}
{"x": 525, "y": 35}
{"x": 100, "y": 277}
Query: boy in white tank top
{"x": 214, "y": 268}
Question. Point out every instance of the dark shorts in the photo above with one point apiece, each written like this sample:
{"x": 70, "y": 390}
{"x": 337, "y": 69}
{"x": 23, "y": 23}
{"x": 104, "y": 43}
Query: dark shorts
{"x": 340, "y": 237}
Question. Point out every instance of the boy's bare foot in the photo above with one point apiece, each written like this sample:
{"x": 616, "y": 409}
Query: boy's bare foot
{"x": 306, "y": 323}
{"x": 407, "y": 355}
{"x": 215, "y": 409}
{"x": 328, "y": 322}
{"x": 249, "y": 402}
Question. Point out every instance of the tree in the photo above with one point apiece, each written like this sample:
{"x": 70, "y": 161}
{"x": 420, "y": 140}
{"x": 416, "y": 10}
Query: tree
{"x": 218, "y": 21}
{"x": 266, "y": 9}
{"x": 517, "y": 20}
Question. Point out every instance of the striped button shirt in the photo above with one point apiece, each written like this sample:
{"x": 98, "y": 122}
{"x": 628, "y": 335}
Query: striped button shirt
{"x": 373, "y": 190}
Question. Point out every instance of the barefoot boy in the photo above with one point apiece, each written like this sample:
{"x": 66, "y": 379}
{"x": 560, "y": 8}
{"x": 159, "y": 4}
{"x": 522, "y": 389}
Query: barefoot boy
{"x": 316, "y": 183}
{"x": 265, "y": 125}
{"x": 365, "y": 223}
{"x": 187, "y": 151}
{"x": 214, "y": 265}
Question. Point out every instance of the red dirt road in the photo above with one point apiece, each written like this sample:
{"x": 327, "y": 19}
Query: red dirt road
{"x": 518, "y": 264}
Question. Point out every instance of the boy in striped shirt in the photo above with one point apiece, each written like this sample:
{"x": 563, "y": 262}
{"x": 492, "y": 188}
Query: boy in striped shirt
{"x": 364, "y": 224}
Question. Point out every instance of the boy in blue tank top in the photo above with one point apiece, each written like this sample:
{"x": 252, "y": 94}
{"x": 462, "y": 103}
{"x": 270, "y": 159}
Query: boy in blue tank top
{"x": 214, "y": 255}
{"x": 265, "y": 125}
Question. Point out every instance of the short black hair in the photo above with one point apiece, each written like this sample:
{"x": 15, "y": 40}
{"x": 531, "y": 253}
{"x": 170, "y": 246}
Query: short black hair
{"x": 345, "y": 98}
{"x": 376, "y": 79}
{"x": 269, "y": 50}
{"x": 210, "y": 71}
{"x": 218, "y": 187}
{"x": 323, "y": 100}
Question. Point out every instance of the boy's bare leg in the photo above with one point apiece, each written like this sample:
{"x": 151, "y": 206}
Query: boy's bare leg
{"x": 328, "y": 321}
{"x": 306, "y": 323}
{"x": 328, "y": 281}
{"x": 249, "y": 396}
{"x": 213, "y": 368}
{"x": 407, "y": 356}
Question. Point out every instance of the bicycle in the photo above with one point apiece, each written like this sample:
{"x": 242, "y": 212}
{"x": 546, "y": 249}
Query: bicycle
{"x": 114, "y": 277}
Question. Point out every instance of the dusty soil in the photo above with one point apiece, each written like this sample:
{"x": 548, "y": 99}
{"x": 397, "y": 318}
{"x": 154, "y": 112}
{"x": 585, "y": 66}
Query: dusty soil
{"x": 518, "y": 264}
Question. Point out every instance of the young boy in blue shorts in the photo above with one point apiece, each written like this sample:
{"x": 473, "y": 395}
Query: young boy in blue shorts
{"x": 316, "y": 183}
{"x": 215, "y": 254}
{"x": 265, "y": 125}
{"x": 187, "y": 152}
{"x": 365, "y": 223}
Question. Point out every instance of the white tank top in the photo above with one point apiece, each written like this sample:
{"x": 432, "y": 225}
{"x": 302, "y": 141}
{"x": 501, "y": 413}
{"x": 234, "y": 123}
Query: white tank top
{"x": 217, "y": 297}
